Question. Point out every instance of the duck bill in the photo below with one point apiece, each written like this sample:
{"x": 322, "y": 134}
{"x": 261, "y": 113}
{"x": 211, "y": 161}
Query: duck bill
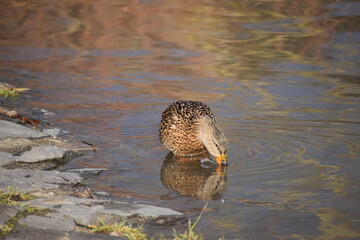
{"x": 222, "y": 160}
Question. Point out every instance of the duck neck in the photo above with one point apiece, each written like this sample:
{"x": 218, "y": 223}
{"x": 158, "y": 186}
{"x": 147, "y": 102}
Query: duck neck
{"x": 207, "y": 129}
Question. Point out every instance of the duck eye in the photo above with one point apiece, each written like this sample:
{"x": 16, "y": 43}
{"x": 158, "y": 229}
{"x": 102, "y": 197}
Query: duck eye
{"x": 216, "y": 145}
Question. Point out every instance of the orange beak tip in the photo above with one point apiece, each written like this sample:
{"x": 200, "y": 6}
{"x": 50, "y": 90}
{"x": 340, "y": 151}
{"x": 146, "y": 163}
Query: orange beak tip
{"x": 222, "y": 160}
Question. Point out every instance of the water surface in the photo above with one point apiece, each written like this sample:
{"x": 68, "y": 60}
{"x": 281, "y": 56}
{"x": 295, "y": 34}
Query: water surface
{"x": 282, "y": 78}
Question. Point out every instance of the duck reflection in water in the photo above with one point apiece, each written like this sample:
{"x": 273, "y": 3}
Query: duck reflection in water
{"x": 188, "y": 176}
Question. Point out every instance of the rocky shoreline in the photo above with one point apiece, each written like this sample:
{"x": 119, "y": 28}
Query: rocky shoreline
{"x": 29, "y": 159}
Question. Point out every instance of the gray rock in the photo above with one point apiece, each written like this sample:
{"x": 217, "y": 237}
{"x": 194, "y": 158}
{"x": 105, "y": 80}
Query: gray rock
{"x": 6, "y": 158}
{"x": 7, "y": 212}
{"x": 14, "y": 238}
{"x": 59, "y": 200}
{"x": 86, "y": 211}
{"x": 41, "y": 153}
{"x": 153, "y": 211}
{"x": 81, "y": 214}
{"x": 87, "y": 170}
{"x": 54, "y": 132}
{"x": 13, "y": 130}
{"x": 102, "y": 193}
{"x": 87, "y": 236}
{"x": 127, "y": 209}
{"x": 30, "y": 233}
{"x": 33, "y": 180}
{"x": 82, "y": 210}
{"x": 61, "y": 224}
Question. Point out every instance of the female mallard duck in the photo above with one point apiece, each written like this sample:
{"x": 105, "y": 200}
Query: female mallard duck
{"x": 188, "y": 128}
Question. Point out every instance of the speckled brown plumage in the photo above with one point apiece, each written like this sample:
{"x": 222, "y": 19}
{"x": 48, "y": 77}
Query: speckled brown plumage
{"x": 179, "y": 127}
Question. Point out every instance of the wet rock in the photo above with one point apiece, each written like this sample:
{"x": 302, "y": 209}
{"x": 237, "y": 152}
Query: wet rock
{"x": 54, "y": 132}
{"x": 87, "y": 170}
{"x": 8, "y": 212}
{"x": 128, "y": 209}
{"x": 81, "y": 214}
{"x": 86, "y": 211}
{"x": 102, "y": 193}
{"x": 56, "y": 201}
{"x": 21, "y": 146}
{"x": 29, "y": 233}
{"x": 14, "y": 145}
{"x": 44, "y": 157}
{"x": 41, "y": 153}
{"x": 13, "y": 130}
{"x": 83, "y": 193}
{"x": 61, "y": 224}
{"x": 87, "y": 236}
{"x": 34, "y": 180}
{"x": 169, "y": 221}
{"x": 82, "y": 210}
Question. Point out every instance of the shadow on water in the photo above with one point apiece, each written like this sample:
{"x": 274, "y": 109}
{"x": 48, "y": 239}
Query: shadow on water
{"x": 193, "y": 177}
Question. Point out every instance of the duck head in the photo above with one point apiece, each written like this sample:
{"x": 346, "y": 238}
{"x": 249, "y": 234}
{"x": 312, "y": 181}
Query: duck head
{"x": 214, "y": 139}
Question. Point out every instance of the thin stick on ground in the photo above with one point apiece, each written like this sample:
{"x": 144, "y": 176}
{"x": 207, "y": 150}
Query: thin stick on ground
{"x": 14, "y": 114}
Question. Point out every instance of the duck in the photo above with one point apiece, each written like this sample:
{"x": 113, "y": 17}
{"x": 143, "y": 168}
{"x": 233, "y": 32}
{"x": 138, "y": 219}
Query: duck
{"x": 189, "y": 128}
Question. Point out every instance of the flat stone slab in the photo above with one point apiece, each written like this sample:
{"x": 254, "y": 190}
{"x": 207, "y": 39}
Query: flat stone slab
{"x": 34, "y": 180}
{"x": 30, "y": 233}
{"x": 127, "y": 209}
{"x": 87, "y": 170}
{"x": 82, "y": 210}
{"x": 14, "y": 130}
{"x": 24, "y": 232}
{"x": 81, "y": 214}
{"x": 61, "y": 224}
{"x": 87, "y": 211}
{"x": 52, "y": 131}
{"x": 6, "y": 158}
{"x": 97, "y": 236}
{"x": 61, "y": 200}
{"x": 6, "y": 212}
{"x": 41, "y": 153}
{"x": 102, "y": 193}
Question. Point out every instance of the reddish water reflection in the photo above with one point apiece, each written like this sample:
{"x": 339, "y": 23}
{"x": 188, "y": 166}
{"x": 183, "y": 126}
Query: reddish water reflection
{"x": 281, "y": 77}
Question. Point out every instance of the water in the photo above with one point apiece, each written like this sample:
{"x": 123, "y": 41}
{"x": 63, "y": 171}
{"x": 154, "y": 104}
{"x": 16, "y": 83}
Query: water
{"x": 282, "y": 78}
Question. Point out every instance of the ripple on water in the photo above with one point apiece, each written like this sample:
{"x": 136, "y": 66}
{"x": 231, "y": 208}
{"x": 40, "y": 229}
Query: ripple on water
{"x": 283, "y": 159}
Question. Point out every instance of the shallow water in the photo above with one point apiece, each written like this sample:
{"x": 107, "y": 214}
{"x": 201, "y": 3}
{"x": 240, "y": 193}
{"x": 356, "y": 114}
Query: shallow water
{"x": 282, "y": 78}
